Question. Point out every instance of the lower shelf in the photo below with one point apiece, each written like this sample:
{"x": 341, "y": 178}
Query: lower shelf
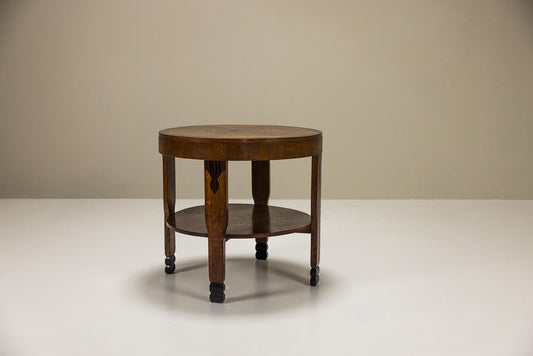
{"x": 244, "y": 221}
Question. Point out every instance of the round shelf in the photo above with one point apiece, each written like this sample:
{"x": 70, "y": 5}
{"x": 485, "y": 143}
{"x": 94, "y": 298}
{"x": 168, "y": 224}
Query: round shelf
{"x": 244, "y": 221}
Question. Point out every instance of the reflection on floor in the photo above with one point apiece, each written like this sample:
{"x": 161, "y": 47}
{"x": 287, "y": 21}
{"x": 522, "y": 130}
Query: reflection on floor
{"x": 251, "y": 283}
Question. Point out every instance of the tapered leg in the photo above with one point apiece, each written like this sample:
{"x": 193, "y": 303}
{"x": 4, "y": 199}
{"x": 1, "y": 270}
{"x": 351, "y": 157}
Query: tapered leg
{"x": 169, "y": 203}
{"x": 316, "y": 176}
{"x": 216, "y": 220}
{"x": 260, "y": 193}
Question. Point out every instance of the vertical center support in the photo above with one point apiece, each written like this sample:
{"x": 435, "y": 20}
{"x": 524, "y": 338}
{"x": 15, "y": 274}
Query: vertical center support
{"x": 261, "y": 193}
{"x": 260, "y": 182}
{"x": 216, "y": 221}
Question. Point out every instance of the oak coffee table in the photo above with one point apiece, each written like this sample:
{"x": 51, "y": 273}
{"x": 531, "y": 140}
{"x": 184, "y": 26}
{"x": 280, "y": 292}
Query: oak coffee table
{"x": 219, "y": 221}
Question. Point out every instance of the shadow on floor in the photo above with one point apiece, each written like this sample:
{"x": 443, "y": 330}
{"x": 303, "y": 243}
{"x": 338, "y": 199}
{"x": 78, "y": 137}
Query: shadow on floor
{"x": 252, "y": 287}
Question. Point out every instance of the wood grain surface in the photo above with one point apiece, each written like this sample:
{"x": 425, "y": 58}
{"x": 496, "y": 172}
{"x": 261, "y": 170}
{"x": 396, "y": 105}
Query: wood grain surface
{"x": 244, "y": 221}
{"x": 240, "y": 142}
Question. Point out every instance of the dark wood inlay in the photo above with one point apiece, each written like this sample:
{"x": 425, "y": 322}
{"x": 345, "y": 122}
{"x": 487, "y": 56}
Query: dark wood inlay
{"x": 214, "y": 168}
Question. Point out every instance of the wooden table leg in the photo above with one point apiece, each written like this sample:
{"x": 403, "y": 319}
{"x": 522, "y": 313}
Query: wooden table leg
{"x": 169, "y": 203}
{"x": 216, "y": 220}
{"x": 316, "y": 176}
{"x": 260, "y": 193}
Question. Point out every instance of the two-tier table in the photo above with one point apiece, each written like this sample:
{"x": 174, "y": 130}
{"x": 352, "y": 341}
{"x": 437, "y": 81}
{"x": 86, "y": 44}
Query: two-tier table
{"x": 219, "y": 221}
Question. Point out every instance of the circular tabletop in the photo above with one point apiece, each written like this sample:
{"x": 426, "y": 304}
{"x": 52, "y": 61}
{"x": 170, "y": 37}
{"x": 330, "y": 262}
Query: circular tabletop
{"x": 240, "y": 142}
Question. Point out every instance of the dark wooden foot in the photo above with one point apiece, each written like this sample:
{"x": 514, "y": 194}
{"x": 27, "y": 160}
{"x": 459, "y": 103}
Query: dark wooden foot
{"x": 314, "y": 276}
{"x": 217, "y": 292}
{"x": 170, "y": 266}
{"x": 261, "y": 251}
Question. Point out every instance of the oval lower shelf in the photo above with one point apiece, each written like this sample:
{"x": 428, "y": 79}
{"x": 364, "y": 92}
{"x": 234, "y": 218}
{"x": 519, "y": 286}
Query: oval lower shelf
{"x": 244, "y": 221}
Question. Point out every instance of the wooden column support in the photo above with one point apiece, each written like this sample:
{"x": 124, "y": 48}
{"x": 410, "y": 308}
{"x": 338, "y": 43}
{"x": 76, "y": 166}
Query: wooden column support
{"x": 169, "y": 203}
{"x": 316, "y": 177}
{"x": 261, "y": 193}
{"x": 216, "y": 221}
{"x": 261, "y": 182}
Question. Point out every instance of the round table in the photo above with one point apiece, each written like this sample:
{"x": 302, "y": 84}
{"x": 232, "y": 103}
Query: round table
{"x": 219, "y": 221}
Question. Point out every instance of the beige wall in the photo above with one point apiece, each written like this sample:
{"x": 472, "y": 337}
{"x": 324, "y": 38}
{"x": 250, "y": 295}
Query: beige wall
{"x": 416, "y": 98}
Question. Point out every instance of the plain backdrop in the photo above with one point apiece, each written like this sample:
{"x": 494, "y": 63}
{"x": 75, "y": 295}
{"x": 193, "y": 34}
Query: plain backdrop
{"x": 416, "y": 98}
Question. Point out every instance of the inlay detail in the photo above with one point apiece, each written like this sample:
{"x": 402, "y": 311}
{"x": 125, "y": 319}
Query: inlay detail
{"x": 215, "y": 169}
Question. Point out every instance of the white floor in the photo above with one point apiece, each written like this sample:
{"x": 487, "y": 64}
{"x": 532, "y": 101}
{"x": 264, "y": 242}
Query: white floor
{"x": 85, "y": 277}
